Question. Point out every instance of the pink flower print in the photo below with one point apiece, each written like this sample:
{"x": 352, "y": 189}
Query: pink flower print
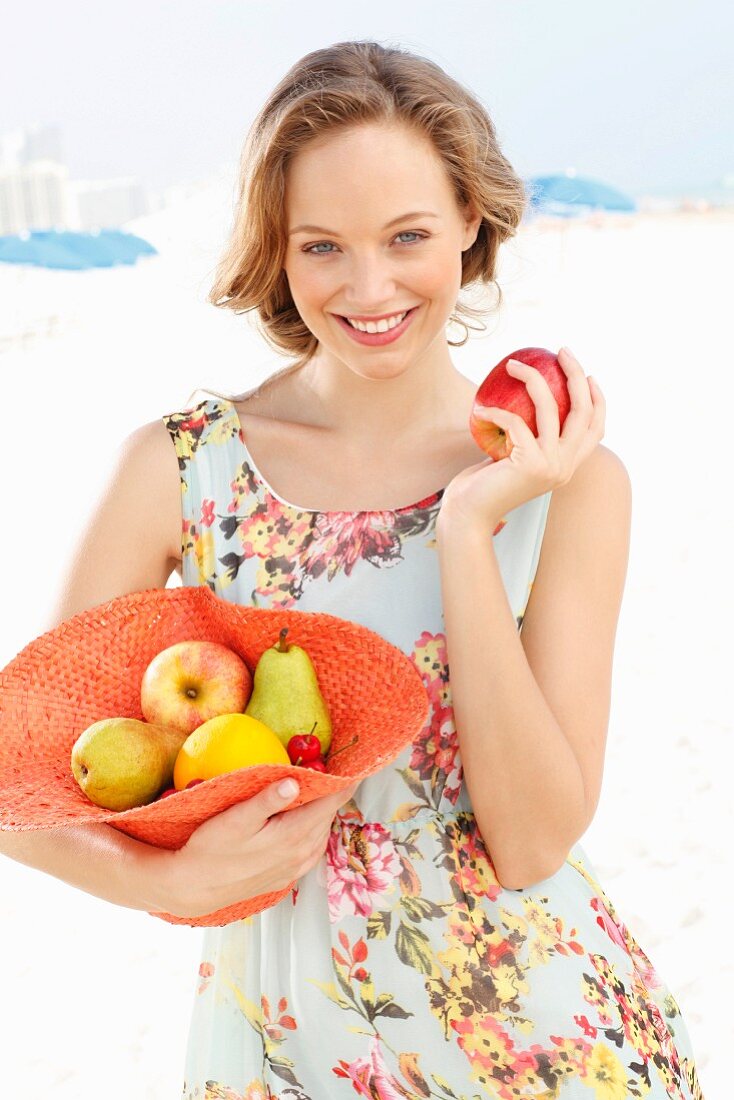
{"x": 588, "y": 1029}
{"x": 667, "y": 1046}
{"x": 370, "y": 1076}
{"x": 207, "y": 513}
{"x": 361, "y": 865}
{"x": 341, "y": 539}
{"x": 435, "y": 753}
{"x": 206, "y": 970}
{"x": 605, "y": 921}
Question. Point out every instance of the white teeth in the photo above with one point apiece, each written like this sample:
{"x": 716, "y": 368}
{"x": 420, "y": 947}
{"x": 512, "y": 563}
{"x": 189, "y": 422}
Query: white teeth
{"x": 378, "y": 326}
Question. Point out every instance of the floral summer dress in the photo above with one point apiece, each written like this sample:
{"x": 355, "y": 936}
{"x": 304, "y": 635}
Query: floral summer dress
{"x": 398, "y": 967}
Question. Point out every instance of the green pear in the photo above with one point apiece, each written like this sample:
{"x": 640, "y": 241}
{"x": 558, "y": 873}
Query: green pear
{"x": 286, "y": 696}
{"x": 120, "y": 763}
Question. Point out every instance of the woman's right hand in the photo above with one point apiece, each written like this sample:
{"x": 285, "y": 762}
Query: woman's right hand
{"x": 252, "y": 848}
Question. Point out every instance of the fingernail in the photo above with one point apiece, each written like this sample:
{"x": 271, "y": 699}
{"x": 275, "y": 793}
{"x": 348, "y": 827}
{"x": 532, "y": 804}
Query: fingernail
{"x": 288, "y": 788}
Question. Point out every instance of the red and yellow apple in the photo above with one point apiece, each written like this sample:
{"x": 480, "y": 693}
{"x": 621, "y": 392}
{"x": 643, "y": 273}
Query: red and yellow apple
{"x": 190, "y": 682}
{"x": 501, "y": 390}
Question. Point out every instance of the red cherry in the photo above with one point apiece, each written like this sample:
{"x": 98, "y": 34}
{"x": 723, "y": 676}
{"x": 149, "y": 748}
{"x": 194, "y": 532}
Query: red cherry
{"x": 303, "y": 745}
{"x": 170, "y": 790}
{"x": 192, "y": 783}
{"x": 318, "y": 765}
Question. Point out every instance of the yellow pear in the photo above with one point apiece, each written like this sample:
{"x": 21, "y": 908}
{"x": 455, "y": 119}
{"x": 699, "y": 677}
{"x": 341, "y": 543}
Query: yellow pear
{"x": 120, "y": 763}
{"x": 286, "y": 694}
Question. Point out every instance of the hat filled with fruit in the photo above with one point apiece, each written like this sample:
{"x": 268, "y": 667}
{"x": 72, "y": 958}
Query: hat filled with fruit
{"x": 161, "y": 708}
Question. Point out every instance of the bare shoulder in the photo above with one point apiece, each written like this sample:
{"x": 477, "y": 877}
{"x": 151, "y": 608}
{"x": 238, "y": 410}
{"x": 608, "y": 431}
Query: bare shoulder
{"x": 601, "y": 484}
{"x": 151, "y": 451}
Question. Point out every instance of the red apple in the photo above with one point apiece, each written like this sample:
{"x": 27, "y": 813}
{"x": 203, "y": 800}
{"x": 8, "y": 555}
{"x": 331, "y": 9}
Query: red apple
{"x": 190, "y": 682}
{"x": 502, "y": 391}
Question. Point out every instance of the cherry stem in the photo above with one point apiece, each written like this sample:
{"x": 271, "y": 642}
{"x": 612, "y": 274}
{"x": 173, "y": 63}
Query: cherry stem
{"x": 343, "y": 747}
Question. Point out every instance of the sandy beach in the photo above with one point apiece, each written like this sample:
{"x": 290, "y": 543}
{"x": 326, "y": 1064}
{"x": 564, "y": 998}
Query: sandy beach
{"x": 97, "y": 998}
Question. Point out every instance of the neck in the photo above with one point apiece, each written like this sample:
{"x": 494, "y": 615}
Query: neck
{"x": 427, "y": 398}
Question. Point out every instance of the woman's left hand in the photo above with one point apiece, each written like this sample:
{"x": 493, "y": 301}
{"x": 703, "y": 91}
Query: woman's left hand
{"x": 488, "y": 490}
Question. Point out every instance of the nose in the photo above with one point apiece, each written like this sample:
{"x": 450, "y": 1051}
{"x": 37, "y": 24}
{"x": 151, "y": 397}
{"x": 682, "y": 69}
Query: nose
{"x": 370, "y": 285}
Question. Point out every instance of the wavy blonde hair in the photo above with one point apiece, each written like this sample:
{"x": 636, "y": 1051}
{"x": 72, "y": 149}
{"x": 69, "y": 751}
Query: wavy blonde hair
{"x": 338, "y": 87}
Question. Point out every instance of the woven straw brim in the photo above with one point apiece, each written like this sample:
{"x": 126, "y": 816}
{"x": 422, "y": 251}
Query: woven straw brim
{"x": 91, "y": 667}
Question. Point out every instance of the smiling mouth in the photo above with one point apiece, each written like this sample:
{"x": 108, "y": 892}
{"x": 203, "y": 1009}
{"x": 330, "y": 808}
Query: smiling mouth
{"x": 402, "y": 314}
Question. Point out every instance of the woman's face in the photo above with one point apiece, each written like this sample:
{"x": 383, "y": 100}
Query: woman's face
{"x": 355, "y": 264}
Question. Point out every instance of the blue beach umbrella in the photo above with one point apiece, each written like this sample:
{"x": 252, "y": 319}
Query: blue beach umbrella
{"x": 87, "y": 246}
{"x": 27, "y": 249}
{"x": 569, "y": 195}
{"x": 73, "y": 251}
{"x": 128, "y": 244}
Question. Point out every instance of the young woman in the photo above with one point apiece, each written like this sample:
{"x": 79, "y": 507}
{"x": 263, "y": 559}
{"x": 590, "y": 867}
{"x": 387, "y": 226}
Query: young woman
{"x": 448, "y": 935}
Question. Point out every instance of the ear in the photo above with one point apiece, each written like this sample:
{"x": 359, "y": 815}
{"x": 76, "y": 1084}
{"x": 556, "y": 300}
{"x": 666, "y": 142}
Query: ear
{"x": 472, "y": 221}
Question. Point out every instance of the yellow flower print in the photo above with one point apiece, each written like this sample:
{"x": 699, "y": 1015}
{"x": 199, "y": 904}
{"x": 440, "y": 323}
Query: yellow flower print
{"x": 606, "y": 1074}
{"x": 431, "y": 657}
{"x": 258, "y": 534}
{"x": 513, "y": 922}
{"x": 540, "y": 953}
{"x": 217, "y": 1091}
{"x": 634, "y": 1029}
{"x": 546, "y": 927}
{"x": 509, "y": 983}
{"x": 487, "y": 1044}
{"x": 206, "y": 555}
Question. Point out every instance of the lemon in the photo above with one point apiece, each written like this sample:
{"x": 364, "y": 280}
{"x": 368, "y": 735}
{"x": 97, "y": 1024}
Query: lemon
{"x": 224, "y": 744}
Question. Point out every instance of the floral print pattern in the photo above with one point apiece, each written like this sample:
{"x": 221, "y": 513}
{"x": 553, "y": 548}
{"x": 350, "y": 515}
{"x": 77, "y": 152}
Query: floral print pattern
{"x": 398, "y": 968}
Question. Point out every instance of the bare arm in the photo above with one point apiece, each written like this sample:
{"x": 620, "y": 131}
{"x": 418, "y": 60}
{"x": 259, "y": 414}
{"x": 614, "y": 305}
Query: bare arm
{"x": 533, "y": 708}
{"x": 127, "y": 546}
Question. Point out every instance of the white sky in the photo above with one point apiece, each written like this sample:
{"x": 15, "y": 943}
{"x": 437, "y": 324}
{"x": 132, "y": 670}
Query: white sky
{"x": 639, "y": 94}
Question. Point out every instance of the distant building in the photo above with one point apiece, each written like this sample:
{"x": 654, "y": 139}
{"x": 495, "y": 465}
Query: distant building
{"x": 107, "y": 204}
{"x": 35, "y": 196}
{"x": 36, "y": 193}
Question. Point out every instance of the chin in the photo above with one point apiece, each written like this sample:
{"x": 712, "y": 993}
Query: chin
{"x": 380, "y": 373}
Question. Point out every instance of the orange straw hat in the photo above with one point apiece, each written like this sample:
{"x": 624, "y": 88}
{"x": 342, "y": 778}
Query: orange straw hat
{"x": 91, "y": 666}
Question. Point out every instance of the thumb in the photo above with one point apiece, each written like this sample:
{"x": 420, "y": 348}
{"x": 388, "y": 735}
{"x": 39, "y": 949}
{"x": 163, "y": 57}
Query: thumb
{"x": 285, "y": 791}
{"x": 270, "y": 801}
{"x": 279, "y": 795}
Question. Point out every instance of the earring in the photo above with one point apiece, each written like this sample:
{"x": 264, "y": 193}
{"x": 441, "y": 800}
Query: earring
{"x": 453, "y": 319}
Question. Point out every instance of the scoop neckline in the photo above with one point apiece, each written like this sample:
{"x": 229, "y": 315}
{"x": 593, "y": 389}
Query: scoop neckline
{"x": 423, "y": 503}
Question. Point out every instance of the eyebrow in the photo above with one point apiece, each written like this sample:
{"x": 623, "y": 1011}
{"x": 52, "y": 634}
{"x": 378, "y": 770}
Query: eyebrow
{"x": 331, "y": 233}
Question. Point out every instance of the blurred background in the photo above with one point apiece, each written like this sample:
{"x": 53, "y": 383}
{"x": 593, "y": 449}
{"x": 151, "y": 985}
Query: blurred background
{"x": 120, "y": 133}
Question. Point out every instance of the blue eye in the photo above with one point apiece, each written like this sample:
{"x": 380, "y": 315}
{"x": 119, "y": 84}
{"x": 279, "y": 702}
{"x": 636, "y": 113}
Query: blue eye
{"x": 406, "y": 233}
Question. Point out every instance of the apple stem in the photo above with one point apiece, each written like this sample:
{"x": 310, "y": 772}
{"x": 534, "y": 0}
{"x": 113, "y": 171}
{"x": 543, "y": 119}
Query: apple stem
{"x": 282, "y": 645}
{"x": 343, "y": 747}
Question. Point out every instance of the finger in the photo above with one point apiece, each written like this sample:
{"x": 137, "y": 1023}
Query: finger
{"x": 581, "y": 413}
{"x": 510, "y": 422}
{"x": 600, "y": 408}
{"x": 546, "y": 406}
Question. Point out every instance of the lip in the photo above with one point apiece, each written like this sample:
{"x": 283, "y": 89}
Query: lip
{"x": 378, "y": 339}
